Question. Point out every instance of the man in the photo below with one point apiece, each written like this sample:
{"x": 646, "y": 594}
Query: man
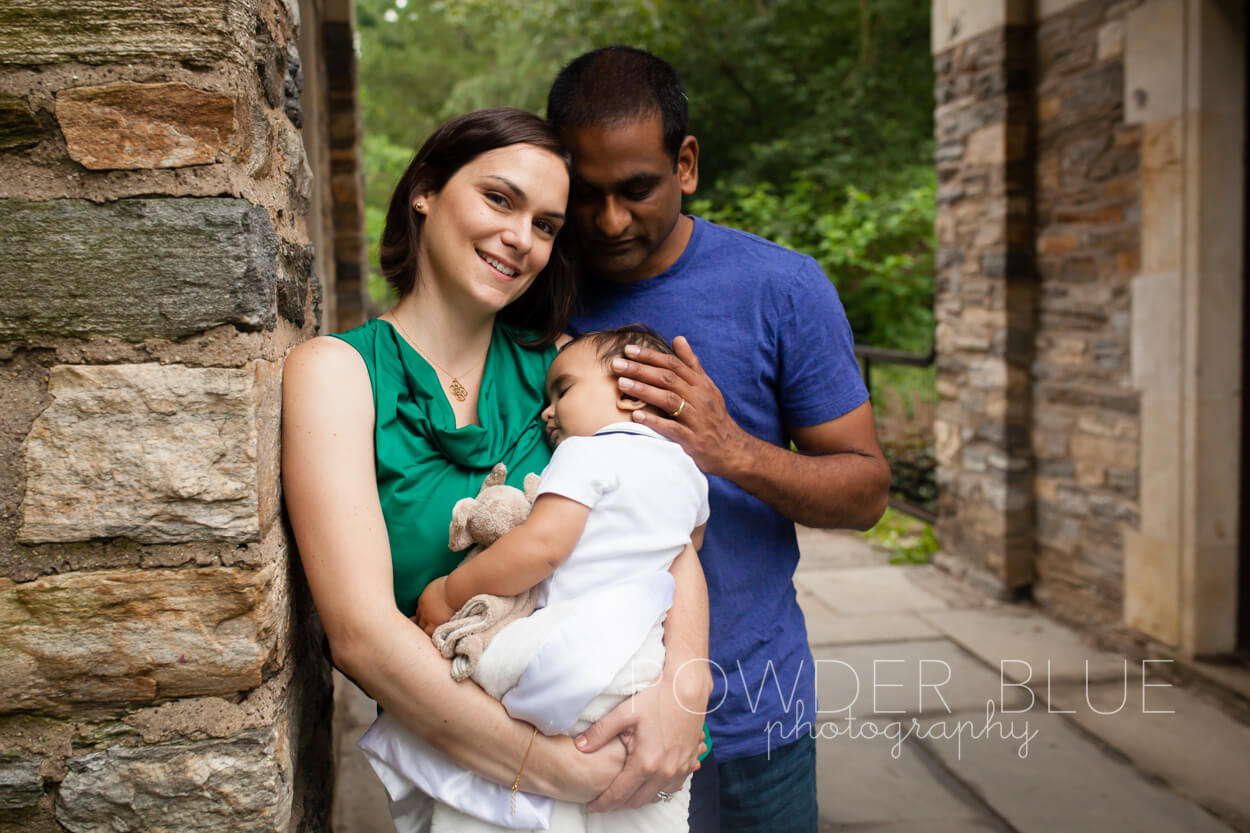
{"x": 780, "y": 368}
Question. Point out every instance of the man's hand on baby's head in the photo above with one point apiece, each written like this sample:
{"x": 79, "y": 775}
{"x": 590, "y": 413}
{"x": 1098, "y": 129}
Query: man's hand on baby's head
{"x": 432, "y": 607}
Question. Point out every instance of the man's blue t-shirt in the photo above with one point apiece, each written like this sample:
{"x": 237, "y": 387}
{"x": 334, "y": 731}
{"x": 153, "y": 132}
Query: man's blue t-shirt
{"x": 770, "y": 331}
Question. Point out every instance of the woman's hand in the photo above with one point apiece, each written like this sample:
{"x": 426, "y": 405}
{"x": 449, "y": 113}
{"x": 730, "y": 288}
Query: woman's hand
{"x": 590, "y": 774}
{"x": 432, "y": 607}
{"x": 663, "y": 738}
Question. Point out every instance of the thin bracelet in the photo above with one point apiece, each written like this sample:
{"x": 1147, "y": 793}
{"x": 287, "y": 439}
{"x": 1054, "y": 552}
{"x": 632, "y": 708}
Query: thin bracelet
{"x": 516, "y": 782}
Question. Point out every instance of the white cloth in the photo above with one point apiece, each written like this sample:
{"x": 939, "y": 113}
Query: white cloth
{"x": 646, "y": 495}
{"x": 598, "y": 640}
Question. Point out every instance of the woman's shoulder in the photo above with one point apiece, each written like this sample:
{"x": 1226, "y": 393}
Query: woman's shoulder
{"x": 325, "y": 366}
{"x": 324, "y": 353}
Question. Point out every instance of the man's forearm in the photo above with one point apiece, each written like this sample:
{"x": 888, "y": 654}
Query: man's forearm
{"x": 843, "y": 490}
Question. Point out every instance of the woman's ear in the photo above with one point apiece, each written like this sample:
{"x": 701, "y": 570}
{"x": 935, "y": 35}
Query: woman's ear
{"x": 421, "y": 203}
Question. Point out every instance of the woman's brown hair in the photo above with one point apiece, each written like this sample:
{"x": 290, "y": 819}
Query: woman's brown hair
{"x": 543, "y": 311}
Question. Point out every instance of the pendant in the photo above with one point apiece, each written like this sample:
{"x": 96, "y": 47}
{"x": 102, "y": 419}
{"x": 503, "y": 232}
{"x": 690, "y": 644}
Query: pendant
{"x": 457, "y": 390}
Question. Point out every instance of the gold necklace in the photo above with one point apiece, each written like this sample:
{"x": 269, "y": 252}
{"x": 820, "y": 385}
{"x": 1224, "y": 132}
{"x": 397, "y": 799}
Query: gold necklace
{"x": 454, "y": 388}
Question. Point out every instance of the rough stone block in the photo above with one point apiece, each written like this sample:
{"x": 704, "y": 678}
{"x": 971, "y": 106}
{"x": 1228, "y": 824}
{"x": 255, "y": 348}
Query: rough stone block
{"x": 148, "y": 452}
{"x": 132, "y": 126}
{"x": 121, "y": 31}
{"x": 21, "y": 785}
{"x": 239, "y": 785}
{"x": 19, "y": 126}
{"x": 73, "y": 268}
{"x": 132, "y": 636}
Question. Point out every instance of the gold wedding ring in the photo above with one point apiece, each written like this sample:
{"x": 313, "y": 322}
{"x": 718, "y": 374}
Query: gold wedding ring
{"x": 680, "y": 408}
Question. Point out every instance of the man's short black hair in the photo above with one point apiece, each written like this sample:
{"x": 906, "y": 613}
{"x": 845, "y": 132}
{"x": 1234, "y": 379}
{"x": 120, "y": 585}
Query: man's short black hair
{"x": 618, "y": 84}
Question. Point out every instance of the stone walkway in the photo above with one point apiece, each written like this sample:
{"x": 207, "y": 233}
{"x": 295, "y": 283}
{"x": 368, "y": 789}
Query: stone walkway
{"x": 908, "y": 659}
{"x": 924, "y": 756}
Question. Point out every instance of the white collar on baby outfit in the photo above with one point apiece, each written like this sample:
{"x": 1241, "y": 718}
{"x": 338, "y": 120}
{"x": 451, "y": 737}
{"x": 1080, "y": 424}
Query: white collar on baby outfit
{"x": 628, "y": 428}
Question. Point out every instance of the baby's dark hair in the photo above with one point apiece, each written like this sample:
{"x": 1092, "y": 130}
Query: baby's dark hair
{"x": 611, "y": 343}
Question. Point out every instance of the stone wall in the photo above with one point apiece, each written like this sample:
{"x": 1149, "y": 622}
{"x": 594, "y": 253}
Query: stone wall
{"x": 159, "y": 660}
{"x": 1038, "y": 233}
{"x": 985, "y": 302}
{"x": 1085, "y": 433}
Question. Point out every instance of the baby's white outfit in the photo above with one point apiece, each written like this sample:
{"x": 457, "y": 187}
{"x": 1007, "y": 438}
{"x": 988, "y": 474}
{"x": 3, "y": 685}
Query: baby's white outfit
{"x": 595, "y": 639}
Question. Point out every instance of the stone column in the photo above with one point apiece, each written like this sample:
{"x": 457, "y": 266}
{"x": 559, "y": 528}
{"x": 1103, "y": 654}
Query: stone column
{"x": 1184, "y": 84}
{"x": 158, "y": 655}
{"x": 351, "y": 247}
{"x": 986, "y": 288}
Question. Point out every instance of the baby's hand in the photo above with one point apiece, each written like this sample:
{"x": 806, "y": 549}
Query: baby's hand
{"x": 432, "y": 607}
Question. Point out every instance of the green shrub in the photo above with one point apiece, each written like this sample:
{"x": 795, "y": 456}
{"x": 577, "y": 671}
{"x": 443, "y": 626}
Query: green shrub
{"x": 876, "y": 248}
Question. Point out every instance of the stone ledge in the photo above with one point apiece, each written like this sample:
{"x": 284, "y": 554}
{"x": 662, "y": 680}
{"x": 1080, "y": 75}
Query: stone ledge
{"x": 164, "y": 454}
{"x": 138, "y": 635}
{"x": 135, "y": 268}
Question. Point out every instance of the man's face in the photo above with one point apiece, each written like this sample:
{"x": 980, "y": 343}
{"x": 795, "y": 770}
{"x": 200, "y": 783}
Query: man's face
{"x": 625, "y": 198}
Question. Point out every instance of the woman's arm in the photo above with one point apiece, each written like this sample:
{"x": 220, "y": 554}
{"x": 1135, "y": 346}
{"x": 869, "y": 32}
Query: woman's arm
{"x": 331, "y": 497}
{"x": 664, "y": 721}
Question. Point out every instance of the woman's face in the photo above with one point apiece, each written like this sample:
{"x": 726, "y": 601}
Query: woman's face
{"x": 490, "y": 230}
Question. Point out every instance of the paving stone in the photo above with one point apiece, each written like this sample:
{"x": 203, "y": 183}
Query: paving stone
{"x": 868, "y": 590}
{"x": 1063, "y": 782}
{"x": 837, "y": 629}
{"x": 1198, "y": 750}
{"x": 1235, "y": 677}
{"x": 987, "y": 825}
{"x": 1022, "y": 642}
{"x": 360, "y": 801}
{"x": 860, "y": 781}
{"x": 831, "y": 548}
{"x": 953, "y": 681}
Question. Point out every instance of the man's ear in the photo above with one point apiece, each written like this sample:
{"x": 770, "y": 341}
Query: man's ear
{"x": 629, "y": 403}
{"x": 688, "y": 165}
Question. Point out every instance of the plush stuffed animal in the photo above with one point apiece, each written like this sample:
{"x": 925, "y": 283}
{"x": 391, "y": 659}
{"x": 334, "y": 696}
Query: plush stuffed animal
{"x": 483, "y": 520}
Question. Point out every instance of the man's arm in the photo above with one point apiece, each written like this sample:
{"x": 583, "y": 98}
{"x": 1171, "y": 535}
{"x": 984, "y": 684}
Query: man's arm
{"x": 838, "y": 478}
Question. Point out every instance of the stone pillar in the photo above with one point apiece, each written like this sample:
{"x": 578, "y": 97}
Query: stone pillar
{"x": 351, "y": 247}
{"x": 1184, "y": 85}
{"x": 159, "y": 662}
{"x": 986, "y": 289}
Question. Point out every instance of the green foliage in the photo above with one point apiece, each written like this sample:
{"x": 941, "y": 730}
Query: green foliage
{"x": 877, "y": 249}
{"x": 909, "y": 540}
{"x": 814, "y": 117}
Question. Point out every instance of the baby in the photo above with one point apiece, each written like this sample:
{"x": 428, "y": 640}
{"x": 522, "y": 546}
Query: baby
{"x": 614, "y": 507}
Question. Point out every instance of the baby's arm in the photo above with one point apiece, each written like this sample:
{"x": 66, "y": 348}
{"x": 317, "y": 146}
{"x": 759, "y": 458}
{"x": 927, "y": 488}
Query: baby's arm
{"x": 513, "y": 564}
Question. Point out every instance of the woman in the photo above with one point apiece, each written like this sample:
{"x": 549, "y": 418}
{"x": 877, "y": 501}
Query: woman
{"x": 385, "y": 427}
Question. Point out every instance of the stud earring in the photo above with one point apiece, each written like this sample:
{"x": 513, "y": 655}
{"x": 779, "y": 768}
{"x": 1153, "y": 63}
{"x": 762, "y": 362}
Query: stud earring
{"x": 419, "y": 206}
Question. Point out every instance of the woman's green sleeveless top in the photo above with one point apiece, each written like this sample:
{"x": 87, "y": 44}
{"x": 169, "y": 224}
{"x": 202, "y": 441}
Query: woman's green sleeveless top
{"x": 424, "y": 462}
